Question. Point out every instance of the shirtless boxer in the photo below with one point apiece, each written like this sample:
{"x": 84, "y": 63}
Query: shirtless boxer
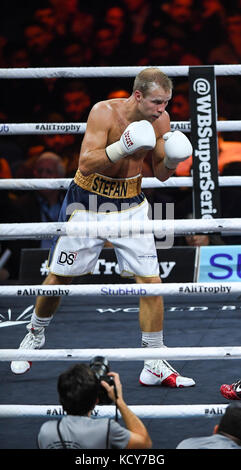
{"x": 118, "y": 136}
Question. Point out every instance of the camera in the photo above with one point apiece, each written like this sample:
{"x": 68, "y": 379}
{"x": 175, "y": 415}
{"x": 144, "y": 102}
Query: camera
{"x": 100, "y": 367}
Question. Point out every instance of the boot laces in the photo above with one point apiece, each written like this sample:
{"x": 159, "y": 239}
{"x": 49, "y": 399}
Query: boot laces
{"x": 33, "y": 339}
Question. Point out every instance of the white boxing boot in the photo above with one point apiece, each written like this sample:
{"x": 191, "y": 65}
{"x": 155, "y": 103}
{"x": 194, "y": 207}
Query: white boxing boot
{"x": 160, "y": 372}
{"x": 34, "y": 339}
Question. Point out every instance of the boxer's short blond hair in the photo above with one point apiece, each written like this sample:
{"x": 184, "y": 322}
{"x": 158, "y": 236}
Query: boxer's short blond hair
{"x": 149, "y": 77}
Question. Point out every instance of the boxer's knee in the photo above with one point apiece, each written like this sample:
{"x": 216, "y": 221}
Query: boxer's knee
{"x": 54, "y": 279}
{"x": 148, "y": 279}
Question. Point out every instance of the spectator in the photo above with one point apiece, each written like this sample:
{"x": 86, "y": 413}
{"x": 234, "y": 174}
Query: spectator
{"x": 74, "y": 55}
{"x": 229, "y": 51}
{"x": 158, "y": 51}
{"x": 35, "y": 206}
{"x": 183, "y": 210}
{"x": 5, "y": 170}
{"x": 226, "y": 434}
{"x": 212, "y": 18}
{"x": 107, "y": 48}
{"x": 44, "y": 15}
{"x": 138, "y": 13}
{"x": 116, "y": 18}
{"x": 118, "y": 93}
{"x": 198, "y": 239}
{"x": 189, "y": 58}
{"x": 64, "y": 13}
{"x": 75, "y": 101}
{"x": 81, "y": 31}
{"x": 24, "y": 100}
{"x": 40, "y": 45}
{"x": 82, "y": 27}
{"x": 10, "y": 149}
{"x": 78, "y": 390}
{"x": 54, "y": 142}
{"x": 16, "y": 55}
{"x": 203, "y": 240}
{"x": 178, "y": 22}
{"x": 65, "y": 145}
{"x": 228, "y": 152}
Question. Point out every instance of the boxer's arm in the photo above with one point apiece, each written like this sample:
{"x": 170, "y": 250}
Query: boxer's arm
{"x": 92, "y": 153}
{"x": 159, "y": 169}
{"x": 96, "y": 154}
{"x": 158, "y": 154}
{"x": 171, "y": 149}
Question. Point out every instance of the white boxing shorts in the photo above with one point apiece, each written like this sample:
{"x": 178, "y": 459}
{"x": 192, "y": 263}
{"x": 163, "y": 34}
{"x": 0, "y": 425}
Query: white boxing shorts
{"x": 107, "y": 201}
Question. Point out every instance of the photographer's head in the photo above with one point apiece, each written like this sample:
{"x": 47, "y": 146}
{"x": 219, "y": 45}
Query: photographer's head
{"x": 78, "y": 389}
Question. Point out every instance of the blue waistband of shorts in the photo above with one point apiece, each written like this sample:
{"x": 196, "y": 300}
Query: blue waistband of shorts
{"x": 78, "y": 198}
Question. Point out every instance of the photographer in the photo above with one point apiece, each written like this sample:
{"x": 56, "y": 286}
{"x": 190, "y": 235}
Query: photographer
{"x": 79, "y": 389}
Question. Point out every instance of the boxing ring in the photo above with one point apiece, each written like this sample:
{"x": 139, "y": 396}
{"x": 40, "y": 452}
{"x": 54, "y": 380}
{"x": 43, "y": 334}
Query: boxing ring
{"x": 202, "y": 325}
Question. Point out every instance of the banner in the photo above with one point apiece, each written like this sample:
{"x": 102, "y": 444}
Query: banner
{"x": 203, "y": 114}
{"x": 220, "y": 263}
{"x": 34, "y": 266}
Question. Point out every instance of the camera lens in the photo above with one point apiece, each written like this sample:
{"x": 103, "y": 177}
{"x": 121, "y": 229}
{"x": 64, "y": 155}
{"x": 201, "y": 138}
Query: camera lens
{"x": 100, "y": 367}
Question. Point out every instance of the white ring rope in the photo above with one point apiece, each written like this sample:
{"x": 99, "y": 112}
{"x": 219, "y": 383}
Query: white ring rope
{"x": 44, "y": 128}
{"x": 63, "y": 183}
{"x": 143, "y": 411}
{"x": 34, "y": 183}
{"x": 147, "y": 411}
{"x": 196, "y": 289}
{"x": 102, "y": 72}
{"x": 122, "y": 354}
{"x": 96, "y": 229}
{"x": 80, "y": 127}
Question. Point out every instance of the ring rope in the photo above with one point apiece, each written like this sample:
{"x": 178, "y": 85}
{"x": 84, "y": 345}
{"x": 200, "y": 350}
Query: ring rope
{"x": 151, "y": 411}
{"x": 43, "y": 128}
{"x": 122, "y": 354}
{"x": 147, "y": 182}
{"x": 103, "y": 411}
{"x": 102, "y": 72}
{"x": 80, "y": 127}
{"x": 230, "y": 289}
{"x": 96, "y": 229}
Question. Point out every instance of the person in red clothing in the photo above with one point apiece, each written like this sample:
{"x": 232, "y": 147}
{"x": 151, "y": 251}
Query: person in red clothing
{"x": 5, "y": 170}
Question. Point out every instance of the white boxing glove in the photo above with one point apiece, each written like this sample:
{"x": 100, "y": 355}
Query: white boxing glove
{"x": 177, "y": 148}
{"x": 139, "y": 135}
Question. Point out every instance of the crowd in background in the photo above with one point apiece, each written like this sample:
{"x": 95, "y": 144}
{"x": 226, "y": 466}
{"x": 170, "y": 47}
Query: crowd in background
{"x": 73, "y": 33}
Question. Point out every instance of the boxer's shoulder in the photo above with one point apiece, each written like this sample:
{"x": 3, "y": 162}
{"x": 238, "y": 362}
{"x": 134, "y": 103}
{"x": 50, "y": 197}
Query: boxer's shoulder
{"x": 113, "y": 105}
{"x": 102, "y": 113}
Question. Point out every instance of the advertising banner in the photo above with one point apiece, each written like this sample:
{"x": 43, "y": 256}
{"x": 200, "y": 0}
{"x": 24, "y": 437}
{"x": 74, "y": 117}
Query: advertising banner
{"x": 203, "y": 115}
{"x": 34, "y": 266}
{"x": 220, "y": 263}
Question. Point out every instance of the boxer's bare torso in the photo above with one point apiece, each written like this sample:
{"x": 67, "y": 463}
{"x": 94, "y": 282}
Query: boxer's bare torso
{"x": 106, "y": 123}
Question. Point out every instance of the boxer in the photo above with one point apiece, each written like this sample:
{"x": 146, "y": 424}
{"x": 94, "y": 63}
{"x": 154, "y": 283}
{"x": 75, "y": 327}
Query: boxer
{"x": 118, "y": 137}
